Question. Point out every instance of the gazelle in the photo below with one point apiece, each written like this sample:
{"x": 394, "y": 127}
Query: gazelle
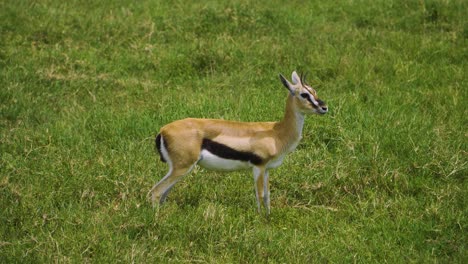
{"x": 229, "y": 145}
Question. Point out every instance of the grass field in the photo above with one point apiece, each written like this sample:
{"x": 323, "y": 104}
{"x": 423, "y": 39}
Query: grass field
{"x": 86, "y": 85}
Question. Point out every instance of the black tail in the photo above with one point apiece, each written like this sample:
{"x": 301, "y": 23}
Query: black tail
{"x": 158, "y": 147}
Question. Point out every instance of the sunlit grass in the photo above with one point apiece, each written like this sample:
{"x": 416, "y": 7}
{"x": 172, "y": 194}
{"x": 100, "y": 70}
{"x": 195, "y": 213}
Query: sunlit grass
{"x": 86, "y": 86}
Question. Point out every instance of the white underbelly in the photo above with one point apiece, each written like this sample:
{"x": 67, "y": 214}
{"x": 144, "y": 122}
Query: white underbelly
{"x": 210, "y": 161}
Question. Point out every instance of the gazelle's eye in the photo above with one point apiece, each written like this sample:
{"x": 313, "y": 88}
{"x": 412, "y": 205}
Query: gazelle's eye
{"x": 307, "y": 97}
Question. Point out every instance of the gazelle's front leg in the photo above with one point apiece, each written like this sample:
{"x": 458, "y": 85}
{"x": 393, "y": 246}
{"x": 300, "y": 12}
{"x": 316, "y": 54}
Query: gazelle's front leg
{"x": 266, "y": 192}
{"x": 259, "y": 173}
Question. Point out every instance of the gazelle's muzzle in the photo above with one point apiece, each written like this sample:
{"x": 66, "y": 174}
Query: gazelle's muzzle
{"x": 322, "y": 107}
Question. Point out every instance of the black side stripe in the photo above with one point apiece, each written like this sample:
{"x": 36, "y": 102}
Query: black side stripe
{"x": 226, "y": 152}
{"x": 158, "y": 147}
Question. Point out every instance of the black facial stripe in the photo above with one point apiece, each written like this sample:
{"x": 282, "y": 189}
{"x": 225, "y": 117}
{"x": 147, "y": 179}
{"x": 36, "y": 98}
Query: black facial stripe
{"x": 309, "y": 99}
{"x": 226, "y": 152}
{"x": 320, "y": 102}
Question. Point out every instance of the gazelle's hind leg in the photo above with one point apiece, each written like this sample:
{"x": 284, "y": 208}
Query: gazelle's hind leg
{"x": 161, "y": 189}
{"x": 181, "y": 158}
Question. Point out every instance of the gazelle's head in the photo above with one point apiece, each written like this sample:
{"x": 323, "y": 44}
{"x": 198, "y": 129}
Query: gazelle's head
{"x": 305, "y": 96}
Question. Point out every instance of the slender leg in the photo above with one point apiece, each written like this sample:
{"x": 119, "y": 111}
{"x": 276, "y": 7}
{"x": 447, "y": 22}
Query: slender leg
{"x": 186, "y": 156}
{"x": 153, "y": 192}
{"x": 258, "y": 182}
{"x": 166, "y": 192}
{"x": 266, "y": 191}
{"x": 160, "y": 190}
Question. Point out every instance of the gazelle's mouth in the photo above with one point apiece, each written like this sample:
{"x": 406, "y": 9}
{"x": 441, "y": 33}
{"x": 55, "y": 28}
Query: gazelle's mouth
{"x": 323, "y": 110}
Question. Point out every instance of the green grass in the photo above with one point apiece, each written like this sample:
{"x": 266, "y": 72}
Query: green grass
{"x": 85, "y": 86}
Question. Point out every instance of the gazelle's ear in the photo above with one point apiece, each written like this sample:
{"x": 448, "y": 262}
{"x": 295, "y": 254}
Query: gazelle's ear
{"x": 295, "y": 78}
{"x": 287, "y": 84}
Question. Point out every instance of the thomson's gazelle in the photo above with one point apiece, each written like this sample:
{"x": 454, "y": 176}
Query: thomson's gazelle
{"x": 228, "y": 145}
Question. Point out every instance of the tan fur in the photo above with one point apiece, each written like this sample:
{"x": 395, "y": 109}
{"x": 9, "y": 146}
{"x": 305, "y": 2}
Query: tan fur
{"x": 268, "y": 140}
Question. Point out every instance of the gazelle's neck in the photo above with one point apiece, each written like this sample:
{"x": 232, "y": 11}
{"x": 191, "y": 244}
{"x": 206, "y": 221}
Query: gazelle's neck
{"x": 290, "y": 128}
